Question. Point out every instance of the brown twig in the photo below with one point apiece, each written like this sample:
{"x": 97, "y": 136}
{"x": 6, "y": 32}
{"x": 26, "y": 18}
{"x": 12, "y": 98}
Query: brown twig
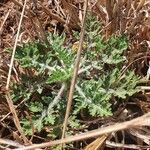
{"x": 96, "y": 144}
{"x": 134, "y": 123}
{"x": 76, "y": 67}
{"x": 140, "y": 5}
{"x": 127, "y": 146}
{"x": 35, "y": 20}
{"x": 38, "y": 25}
{"x": 8, "y": 97}
{"x": 5, "y": 18}
{"x": 50, "y": 13}
{"x": 125, "y": 69}
{"x": 10, "y": 143}
{"x": 1, "y": 27}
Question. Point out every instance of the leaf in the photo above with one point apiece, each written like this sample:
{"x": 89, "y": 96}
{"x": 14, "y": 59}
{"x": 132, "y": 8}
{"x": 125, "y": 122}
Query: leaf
{"x": 50, "y": 119}
{"x": 74, "y": 122}
{"x": 38, "y": 123}
{"x": 99, "y": 110}
{"x": 59, "y": 75}
{"x": 26, "y": 125}
{"x": 35, "y": 106}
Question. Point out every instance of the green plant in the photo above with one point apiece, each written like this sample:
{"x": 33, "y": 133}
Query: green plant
{"x": 48, "y": 67}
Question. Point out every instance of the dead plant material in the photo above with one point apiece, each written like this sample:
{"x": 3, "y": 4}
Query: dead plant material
{"x": 125, "y": 146}
{"x": 134, "y": 123}
{"x": 72, "y": 15}
{"x": 132, "y": 19}
{"x": 129, "y": 17}
{"x": 75, "y": 72}
{"x": 51, "y": 14}
{"x": 10, "y": 142}
{"x": 98, "y": 143}
{"x": 9, "y": 100}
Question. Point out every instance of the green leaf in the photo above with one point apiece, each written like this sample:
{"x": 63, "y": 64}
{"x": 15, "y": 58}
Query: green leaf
{"x": 59, "y": 75}
{"x": 50, "y": 119}
{"x": 35, "y": 106}
{"x": 74, "y": 122}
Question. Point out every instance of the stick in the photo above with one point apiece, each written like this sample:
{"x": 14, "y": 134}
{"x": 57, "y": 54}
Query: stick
{"x": 8, "y": 97}
{"x": 76, "y": 68}
{"x": 134, "y": 123}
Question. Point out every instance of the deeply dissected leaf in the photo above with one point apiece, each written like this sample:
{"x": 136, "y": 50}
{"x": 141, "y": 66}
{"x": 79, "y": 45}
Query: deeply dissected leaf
{"x": 50, "y": 65}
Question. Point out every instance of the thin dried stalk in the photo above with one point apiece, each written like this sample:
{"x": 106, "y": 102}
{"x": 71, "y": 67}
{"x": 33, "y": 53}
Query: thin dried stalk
{"x": 126, "y": 146}
{"x": 140, "y": 5}
{"x": 10, "y": 143}
{"x": 1, "y": 27}
{"x": 72, "y": 15}
{"x": 77, "y": 62}
{"x": 50, "y": 13}
{"x": 110, "y": 5}
{"x": 8, "y": 97}
{"x": 38, "y": 24}
{"x": 134, "y": 123}
{"x": 5, "y": 18}
{"x": 97, "y": 144}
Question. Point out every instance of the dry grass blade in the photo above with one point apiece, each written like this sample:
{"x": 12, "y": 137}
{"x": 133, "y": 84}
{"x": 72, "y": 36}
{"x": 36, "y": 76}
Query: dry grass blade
{"x": 140, "y": 5}
{"x": 16, "y": 119}
{"x": 38, "y": 24}
{"x": 8, "y": 97}
{"x": 127, "y": 146}
{"x": 1, "y": 27}
{"x": 109, "y": 9}
{"x": 14, "y": 48}
{"x": 73, "y": 19}
{"x": 96, "y": 144}
{"x": 50, "y": 13}
{"x": 140, "y": 121}
{"x": 17, "y": 3}
{"x": 9, "y": 142}
{"x": 77, "y": 62}
{"x": 131, "y": 18}
{"x": 139, "y": 134}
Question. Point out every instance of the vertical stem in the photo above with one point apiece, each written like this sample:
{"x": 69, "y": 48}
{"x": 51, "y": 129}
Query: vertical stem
{"x": 8, "y": 97}
{"x": 76, "y": 68}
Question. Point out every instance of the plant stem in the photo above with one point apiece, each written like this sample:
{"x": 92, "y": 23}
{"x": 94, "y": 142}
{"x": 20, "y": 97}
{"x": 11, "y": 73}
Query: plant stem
{"x": 76, "y": 68}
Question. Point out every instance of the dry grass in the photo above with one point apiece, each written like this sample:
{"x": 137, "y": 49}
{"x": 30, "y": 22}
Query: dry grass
{"x": 130, "y": 17}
